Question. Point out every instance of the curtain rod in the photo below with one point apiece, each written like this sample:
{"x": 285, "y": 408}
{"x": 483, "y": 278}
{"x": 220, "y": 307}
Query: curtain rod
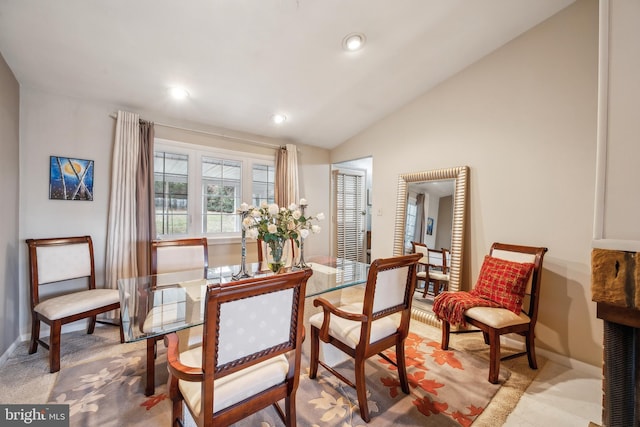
{"x": 220, "y": 135}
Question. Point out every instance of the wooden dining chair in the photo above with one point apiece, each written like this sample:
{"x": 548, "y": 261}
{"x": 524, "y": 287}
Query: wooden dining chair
{"x": 504, "y": 300}
{"x": 433, "y": 269}
{"x": 364, "y": 329}
{"x": 54, "y": 263}
{"x": 169, "y": 256}
{"x": 243, "y": 365}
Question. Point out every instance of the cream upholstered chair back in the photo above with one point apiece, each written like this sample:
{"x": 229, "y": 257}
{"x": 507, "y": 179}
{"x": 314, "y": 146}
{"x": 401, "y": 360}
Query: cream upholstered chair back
{"x": 391, "y": 289}
{"x": 421, "y": 248}
{"x": 168, "y": 256}
{"x": 251, "y": 350}
{"x": 64, "y": 262}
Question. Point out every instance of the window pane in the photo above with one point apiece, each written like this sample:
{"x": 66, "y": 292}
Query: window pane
{"x": 171, "y": 189}
{"x": 410, "y": 224}
{"x": 221, "y": 195}
{"x": 263, "y": 187}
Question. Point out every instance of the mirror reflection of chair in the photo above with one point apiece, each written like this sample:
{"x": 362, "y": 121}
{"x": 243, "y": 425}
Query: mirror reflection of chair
{"x": 57, "y": 261}
{"x": 504, "y": 300}
{"x": 362, "y": 330}
{"x": 433, "y": 269}
{"x": 233, "y": 375}
{"x": 169, "y": 256}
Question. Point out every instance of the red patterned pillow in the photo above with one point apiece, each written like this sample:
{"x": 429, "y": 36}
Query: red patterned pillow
{"x": 503, "y": 282}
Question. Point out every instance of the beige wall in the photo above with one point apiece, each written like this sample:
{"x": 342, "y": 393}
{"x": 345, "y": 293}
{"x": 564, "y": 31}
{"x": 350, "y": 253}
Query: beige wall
{"x": 56, "y": 125}
{"x": 9, "y": 166}
{"x": 618, "y": 208}
{"x": 524, "y": 120}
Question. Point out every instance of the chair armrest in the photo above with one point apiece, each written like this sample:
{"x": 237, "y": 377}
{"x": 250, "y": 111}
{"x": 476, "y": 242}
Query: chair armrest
{"x": 329, "y": 309}
{"x": 176, "y": 368}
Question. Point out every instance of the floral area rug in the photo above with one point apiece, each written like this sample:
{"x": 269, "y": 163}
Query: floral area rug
{"x": 110, "y": 392}
{"x": 447, "y": 388}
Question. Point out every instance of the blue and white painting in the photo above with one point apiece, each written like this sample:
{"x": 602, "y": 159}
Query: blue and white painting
{"x": 70, "y": 179}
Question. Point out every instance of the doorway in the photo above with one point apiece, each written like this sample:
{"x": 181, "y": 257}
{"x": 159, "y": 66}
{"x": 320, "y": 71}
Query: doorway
{"x": 351, "y": 208}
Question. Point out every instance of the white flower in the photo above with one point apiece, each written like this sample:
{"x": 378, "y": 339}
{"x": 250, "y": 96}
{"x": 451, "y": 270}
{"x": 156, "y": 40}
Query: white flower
{"x": 252, "y": 233}
{"x": 320, "y": 216}
{"x": 272, "y": 228}
{"x": 264, "y": 204}
{"x": 303, "y": 202}
{"x": 244, "y": 207}
{"x": 273, "y": 209}
{"x": 293, "y": 207}
{"x": 255, "y": 213}
{"x": 247, "y": 222}
{"x": 296, "y": 214}
{"x": 315, "y": 229}
{"x": 304, "y": 233}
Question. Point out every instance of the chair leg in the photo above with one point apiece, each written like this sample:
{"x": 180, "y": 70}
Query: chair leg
{"x": 35, "y": 334}
{"x": 176, "y": 413}
{"x": 92, "y": 325}
{"x": 121, "y": 333}
{"x": 315, "y": 350}
{"x": 176, "y": 401}
{"x": 531, "y": 349}
{"x": 151, "y": 367}
{"x": 494, "y": 357}
{"x": 54, "y": 346}
{"x": 361, "y": 390}
{"x": 446, "y": 329}
{"x": 436, "y": 288}
{"x": 401, "y": 363}
{"x": 486, "y": 338}
{"x": 290, "y": 410}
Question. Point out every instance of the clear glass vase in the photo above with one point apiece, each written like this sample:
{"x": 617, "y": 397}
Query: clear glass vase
{"x": 278, "y": 252}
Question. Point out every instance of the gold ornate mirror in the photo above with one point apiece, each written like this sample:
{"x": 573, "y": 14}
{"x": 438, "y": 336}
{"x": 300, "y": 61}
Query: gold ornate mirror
{"x": 460, "y": 177}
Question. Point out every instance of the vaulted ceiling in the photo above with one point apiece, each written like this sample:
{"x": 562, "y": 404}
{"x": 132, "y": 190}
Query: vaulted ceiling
{"x": 242, "y": 61}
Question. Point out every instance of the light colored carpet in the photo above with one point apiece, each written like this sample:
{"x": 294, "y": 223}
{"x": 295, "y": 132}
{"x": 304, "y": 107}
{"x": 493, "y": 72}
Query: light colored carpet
{"x": 26, "y": 378}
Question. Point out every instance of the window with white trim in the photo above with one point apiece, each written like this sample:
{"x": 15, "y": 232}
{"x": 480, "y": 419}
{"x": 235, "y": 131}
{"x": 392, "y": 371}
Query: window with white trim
{"x": 410, "y": 224}
{"x": 198, "y": 190}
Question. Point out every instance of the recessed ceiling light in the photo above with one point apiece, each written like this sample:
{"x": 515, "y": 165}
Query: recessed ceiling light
{"x": 353, "y": 42}
{"x": 279, "y": 118}
{"x": 178, "y": 92}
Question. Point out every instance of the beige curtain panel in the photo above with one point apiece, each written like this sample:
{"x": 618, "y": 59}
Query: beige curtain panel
{"x": 286, "y": 185}
{"x": 130, "y": 225}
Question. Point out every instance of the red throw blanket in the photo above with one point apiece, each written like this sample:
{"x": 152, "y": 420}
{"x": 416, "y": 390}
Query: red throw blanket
{"x": 450, "y": 306}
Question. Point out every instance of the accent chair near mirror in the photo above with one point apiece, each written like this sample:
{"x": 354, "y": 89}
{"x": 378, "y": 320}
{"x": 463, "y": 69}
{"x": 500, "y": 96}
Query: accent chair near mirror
{"x": 460, "y": 177}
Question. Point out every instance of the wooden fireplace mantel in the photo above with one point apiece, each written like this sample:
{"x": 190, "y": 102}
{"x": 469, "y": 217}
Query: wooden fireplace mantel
{"x": 622, "y": 315}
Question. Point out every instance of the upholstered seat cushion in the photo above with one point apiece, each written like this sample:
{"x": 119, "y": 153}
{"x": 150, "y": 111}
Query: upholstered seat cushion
{"x": 77, "y": 302}
{"x": 433, "y": 275}
{"x": 348, "y": 331}
{"x": 497, "y": 317}
{"x": 235, "y": 387}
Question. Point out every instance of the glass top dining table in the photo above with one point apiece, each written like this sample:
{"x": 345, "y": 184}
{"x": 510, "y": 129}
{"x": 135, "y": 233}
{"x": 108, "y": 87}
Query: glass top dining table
{"x": 152, "y": 306}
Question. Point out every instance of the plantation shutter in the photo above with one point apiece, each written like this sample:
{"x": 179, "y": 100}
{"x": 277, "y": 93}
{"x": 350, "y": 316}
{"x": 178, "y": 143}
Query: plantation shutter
{"x": 349, "y": 214}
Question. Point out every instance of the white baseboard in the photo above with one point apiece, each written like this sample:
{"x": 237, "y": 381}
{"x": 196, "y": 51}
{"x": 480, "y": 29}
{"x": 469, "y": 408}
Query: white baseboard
{"x": 12, "y": 347}
{"x": 44, "y": 332}
{"x": 590, "y": 370}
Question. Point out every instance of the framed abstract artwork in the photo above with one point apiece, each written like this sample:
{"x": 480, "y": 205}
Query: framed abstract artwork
{"x": 70, "y": 179}
{"x": 429, "y": 226}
